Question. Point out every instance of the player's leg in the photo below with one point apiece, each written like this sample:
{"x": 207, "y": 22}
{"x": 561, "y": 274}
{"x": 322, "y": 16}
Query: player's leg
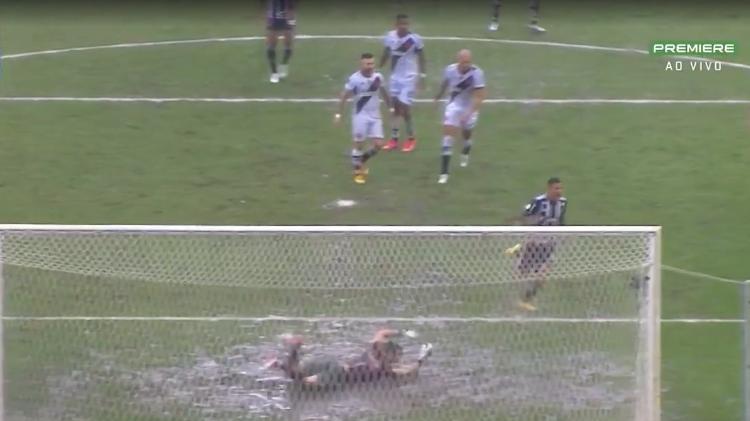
{"x": 395, "y": 124}
{"x": 357, "y": 164}
{"x": 373, "y": 132}
{"x": 495, "y": 22}
{"x": 395, "y": 87}
{"x": 405, "y": 99}
{"x": 272, "y": 38}
{"x": 533, "y": 267}
{"x": 467, "y": 131}
{"x": 534, "y": 24}
{"x": 451, "y": 132}
{"x": 359, "y": 135}
{"x": 466, "y": 150}
{"x": 288, "y": 46}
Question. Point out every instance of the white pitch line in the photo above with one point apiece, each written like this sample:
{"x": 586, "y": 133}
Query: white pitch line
{"x": 364, "y": 37}
{"x": 417, "y": 320}
{"x": 700, "y": 275}
{"x": 570, "y": 101}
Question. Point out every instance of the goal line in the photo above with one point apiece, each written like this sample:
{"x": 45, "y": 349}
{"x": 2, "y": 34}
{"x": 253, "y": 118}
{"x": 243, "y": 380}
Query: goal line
{"x": 417, "y": 320}
{"x": 249, "y": 100}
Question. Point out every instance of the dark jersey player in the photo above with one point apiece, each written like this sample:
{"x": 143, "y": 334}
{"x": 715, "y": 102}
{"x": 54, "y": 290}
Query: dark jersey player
{"x": 533, "y": 25}
{"x": 547, "y": 209}
{"x": 380, "y": 361}
{"x": 281, "y": 20}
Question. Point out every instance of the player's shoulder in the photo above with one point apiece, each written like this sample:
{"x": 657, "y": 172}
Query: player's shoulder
{"x": 390, "y": 35}
{"x": 563, "y": 199}
{"x": 453, "y": 67}
{"x": 378, "y": 75}
{"x": 356, "y": 78}
{"x": 416, "y": 36}
{"x": 477, "y": 70}
{"x": 534, "y": 202}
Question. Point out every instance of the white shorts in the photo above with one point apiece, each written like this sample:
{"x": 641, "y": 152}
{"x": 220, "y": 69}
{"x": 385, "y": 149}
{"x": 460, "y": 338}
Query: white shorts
{"x": 366, "y": 127}
{"x": 403, "y": 89}
{"x": 453, "y": 114}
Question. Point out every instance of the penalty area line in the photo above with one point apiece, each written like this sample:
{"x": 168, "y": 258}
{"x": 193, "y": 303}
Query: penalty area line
{"x": 418, "y": 320}
{"x": 531, "y": 101}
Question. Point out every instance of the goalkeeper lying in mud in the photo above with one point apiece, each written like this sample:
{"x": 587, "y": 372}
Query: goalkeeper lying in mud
{"x": 381, "y": 361}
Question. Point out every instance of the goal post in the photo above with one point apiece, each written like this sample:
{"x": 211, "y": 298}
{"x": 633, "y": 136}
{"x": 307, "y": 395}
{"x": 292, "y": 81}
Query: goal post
{"x": 176, "y": 322}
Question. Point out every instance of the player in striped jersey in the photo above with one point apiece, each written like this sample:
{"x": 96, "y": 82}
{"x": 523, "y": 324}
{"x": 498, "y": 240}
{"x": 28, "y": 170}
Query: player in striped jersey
{"x": 405, "y": 49}
{"x": 366, "y": 87}
{"x": 281, "y": 20}
{"x": 533, "y": 25}
{"x": 466, "y": 83}
{"x": 547, "y": 209}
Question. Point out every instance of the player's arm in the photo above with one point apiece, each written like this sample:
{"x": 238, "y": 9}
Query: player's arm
{"x": 343, "y": 98}
{"x": 386, "y": 97}
{"x": 410, "y": 371}
{"x": 291, "y": 12}
{"x": 562, "y": 214}
{"x": 441, "y": 92}
{"x": 477, "y": 98}
{"x": 385, "y": 56}
{"x": 422, "y": 63}
{"x": 530, "y": 215}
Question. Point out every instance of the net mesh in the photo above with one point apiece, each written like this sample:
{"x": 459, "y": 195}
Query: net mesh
{"x": 118, "y": 325}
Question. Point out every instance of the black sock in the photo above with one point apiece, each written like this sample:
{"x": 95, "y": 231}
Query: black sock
{"x": 287, "y": 55}
{"x": 495, "y": 10}
{"x": 534, "y": 6}
{"x": 369, "y": 154}
{"x": 409, "y": 127}
{"x": 467, "y": 149}
{"x": 445, "y": 162}
{"x": 531, "y": 291}
{"x": 271, "y": 53}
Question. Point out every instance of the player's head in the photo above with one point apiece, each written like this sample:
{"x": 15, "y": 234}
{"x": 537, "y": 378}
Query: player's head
{"x": 367, "y": 63}
{"x": 402, "y": 24}
{"x": 464, "y": 60}
{"x": 387, "y": 352}
{"x": 554, "y": 188}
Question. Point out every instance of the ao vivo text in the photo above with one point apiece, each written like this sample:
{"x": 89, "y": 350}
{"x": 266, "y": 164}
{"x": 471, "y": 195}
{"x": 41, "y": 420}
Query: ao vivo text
{"x": 692, "y": 66}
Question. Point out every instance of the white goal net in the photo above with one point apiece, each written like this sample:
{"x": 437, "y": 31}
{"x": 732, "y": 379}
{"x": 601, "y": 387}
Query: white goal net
{"x": 184, "y": 323}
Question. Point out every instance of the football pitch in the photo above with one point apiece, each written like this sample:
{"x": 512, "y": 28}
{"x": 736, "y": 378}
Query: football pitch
{"x": 75, "y": 150}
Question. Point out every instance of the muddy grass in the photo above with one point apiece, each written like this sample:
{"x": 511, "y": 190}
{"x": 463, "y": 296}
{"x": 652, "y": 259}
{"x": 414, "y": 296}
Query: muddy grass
{"x": 233, "y": 384}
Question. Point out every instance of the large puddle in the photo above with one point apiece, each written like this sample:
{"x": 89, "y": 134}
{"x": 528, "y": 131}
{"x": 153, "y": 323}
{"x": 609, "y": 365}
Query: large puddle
{"x": 461, "y": 374}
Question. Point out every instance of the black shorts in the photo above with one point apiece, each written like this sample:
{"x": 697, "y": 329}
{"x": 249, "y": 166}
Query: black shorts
{"x": 534, "y": 256}
{"x": 278, "y": 24}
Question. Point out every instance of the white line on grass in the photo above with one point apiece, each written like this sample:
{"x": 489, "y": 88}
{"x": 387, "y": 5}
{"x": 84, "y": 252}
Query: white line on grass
{"x": 417, "y": 320}
{"x": 583, "y": 101}
{"x": 363, "y": 37}
{"x": 700, "y": 275}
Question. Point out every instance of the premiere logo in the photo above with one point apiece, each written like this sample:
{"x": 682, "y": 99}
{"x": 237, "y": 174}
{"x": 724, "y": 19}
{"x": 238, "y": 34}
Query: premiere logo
{"x": 694, "y": 56}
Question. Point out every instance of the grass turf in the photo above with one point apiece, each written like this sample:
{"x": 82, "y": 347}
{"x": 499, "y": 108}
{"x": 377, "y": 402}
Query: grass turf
{"x": 673, "y": 165}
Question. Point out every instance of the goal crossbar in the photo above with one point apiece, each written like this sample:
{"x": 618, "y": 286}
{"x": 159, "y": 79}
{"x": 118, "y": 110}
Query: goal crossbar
{"x": 334, "y": 228}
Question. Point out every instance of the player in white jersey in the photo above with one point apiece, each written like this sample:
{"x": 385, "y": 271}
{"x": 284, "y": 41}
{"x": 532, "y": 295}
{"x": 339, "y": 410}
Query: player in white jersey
{"x": 363, "y": 87}
{"x": 405, "y": 49}
{"x": 467, "y": 91}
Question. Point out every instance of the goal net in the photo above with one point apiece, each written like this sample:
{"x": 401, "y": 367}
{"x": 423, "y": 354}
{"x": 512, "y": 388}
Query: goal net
{"x": 180, "y": 323}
